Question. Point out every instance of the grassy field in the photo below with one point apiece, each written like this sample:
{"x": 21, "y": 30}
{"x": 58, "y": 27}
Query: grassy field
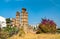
{"x": 36, "y": 36}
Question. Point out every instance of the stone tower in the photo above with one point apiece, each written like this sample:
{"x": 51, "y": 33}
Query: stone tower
{"x": 17, "y": 19}
{"x": 13, "y": 21}
{"x": 24, "y": 20}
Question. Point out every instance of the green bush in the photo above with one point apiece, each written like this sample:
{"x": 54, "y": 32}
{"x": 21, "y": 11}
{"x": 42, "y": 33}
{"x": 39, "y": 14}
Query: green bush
{"x": 11, "y": 30}
{"x": 47, "y": 26}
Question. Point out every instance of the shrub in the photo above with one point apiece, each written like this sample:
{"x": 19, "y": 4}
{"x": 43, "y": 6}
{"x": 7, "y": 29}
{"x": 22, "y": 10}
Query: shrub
{"x": 11, "y": 30}
{"x": 4, "y": 35}
{"x": 47, "y": 26}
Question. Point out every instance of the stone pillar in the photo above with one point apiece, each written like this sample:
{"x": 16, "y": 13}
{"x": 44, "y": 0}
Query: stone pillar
{"x": 24, "y": 20}
{"x": 13, "y": 21}
{"x": 17, "y": 19}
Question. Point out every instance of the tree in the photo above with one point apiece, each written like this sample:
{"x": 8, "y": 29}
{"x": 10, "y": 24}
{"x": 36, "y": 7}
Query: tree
{"x": 47, "y": 26}
{"x": 8, "y": 21}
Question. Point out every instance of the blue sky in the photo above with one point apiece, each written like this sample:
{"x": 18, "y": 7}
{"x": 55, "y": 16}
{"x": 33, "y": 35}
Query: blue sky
{"x": 36, "y": 9}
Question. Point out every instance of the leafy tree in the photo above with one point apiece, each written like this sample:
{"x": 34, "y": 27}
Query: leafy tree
{"x": 8, "y": 21}
{"x": 47, "y": 26}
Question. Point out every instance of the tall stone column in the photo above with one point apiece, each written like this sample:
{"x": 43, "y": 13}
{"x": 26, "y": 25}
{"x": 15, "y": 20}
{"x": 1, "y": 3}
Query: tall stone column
{"x": 17, "y": 19}
{"x": 24, "y": 20}
{"x": 13, "y": 21}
